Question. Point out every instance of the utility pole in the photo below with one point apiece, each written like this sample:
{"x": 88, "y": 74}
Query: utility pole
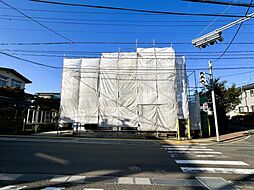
{"x": 213, "y": 100}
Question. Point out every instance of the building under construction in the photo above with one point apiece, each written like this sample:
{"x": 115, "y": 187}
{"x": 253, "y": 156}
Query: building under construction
{"x": 144, "y": 90}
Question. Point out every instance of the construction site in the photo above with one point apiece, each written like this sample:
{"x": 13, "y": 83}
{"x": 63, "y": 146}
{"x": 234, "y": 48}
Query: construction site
{"x": 143, "y": 91}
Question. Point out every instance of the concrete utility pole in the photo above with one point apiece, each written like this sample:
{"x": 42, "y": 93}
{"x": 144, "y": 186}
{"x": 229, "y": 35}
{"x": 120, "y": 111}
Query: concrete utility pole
{"x": 213, "y": 100}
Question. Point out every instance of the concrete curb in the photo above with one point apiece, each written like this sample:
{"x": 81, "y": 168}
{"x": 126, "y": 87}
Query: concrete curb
{"x": 212, "y": 140}
{"x": 208, "y": 141}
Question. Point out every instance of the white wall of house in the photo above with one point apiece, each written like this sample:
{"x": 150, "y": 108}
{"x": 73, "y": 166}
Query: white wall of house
{"x": 11, "y": 79}
{"x": 246, "y": 105}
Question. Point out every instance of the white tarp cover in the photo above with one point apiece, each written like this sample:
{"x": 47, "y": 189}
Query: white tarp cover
{"x": 88, "y": 91}
{"x": 157, "y": 103}
{"x": 126, "y": 89}
{"x": 70, "y": 90}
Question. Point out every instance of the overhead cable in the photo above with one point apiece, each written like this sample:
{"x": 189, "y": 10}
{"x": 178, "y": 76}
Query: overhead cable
{"x": 129, "y": 9}
{"x": 25, "y": 15}
{"x": 105, "y": 42}
{"x": 221, "y": 3}
{"x": 233, "y": 39}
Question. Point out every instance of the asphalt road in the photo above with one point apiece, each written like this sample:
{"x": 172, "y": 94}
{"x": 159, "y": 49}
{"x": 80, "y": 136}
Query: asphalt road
{"x": 110, "y": 164}
{"x": 88, "y": 159}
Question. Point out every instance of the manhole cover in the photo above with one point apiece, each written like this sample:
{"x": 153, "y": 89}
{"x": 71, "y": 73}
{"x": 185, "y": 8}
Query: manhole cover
{"x": 135, "y": 168}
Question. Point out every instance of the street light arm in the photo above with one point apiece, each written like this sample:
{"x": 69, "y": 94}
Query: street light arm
{"x": 250, "y": 16}
{"x": 216, "y": 34}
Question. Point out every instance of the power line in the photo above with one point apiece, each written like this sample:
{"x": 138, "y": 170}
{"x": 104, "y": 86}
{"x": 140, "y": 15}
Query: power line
{"x": 116, "y": 20}
{"x": 237, "y": 31}
{"x": 96, "y": 12}
{"x": 128, "y": 9}
{"x": 210, "y": 24}
{"x": 110, "y": 43}
{"x": 202, "y": 57}
{"x": 112, "y": 69}
{"x": 29, "y": 61}
{"x": 190, "y": 53}
{"x": 108, "y": 32}
{"x": 236, "y": 74}
{"x": 162, "y": 57}
{"x": 30, "y": 18}
{"x": 221, "y": 3}
{"x": 113, "y": 24}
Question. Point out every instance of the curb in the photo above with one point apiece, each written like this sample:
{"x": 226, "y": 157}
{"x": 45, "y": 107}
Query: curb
{"x": 211, "y": 140}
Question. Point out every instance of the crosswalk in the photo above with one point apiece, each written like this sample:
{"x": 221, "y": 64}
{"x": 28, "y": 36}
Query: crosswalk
{"x": 200, "y": 159}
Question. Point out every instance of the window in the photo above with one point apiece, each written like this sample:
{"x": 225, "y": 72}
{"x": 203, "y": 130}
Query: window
{"x": 241, "y": 109}
{"x": 3, "y": 80}
{"x": 15, "y": 84}
{"x": 251, "y": 92}
{"x": 244, "y": 94}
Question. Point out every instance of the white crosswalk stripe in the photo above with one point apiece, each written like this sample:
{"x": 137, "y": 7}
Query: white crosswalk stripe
{"x": 180, "y": 146}
{"x": 213, "y": 162}
{"x": 218, "y": 170}
{"x": 193, "y": 152}
{"x": 184, "y": 155}
{"x": 188, "y": 149}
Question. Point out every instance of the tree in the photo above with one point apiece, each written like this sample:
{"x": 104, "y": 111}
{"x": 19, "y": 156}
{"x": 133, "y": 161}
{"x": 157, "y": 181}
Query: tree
{"x": 226, "y": 100}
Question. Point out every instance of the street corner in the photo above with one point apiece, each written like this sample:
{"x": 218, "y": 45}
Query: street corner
{"x": 186, "y": 142}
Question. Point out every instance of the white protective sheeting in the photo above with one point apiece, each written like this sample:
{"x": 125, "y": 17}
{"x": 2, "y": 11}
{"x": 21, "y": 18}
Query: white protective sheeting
{"x": 70, "y": 91}
{"x": 157, "y": 103}
{"x": 127, "y": 88}
{"x": 88, "y": 91}
{"x": 137, "y": 89}
{"x": 108, "y": 90}
{"x": 182, "y": 96}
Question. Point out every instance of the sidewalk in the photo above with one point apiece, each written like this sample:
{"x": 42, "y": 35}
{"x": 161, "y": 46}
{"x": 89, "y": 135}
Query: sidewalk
{"x": 223, "y": 138}
{"x": 68, "y": 135}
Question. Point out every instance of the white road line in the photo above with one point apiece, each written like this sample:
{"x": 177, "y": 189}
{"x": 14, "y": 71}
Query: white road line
{"x": 76, "y": 178}
{"x": 92, "y": 189}
{"x": 53, "y": 188}
{"x": 60, "y": 178}
{"x": 172, "y": 146}
{"x": 188, "y": 149}
{"x": 125, "y": 180}
{"x": 215, "y": 162}
{"x": 206, "y": 156}
{"x": 142, "y": 181}
{"x": 8, "y": 187}
{"x": 218, "y": 170}
{"x": 12, "y": 187}
{"x": 19, "y": 188}
{"x": 193, "y": 152}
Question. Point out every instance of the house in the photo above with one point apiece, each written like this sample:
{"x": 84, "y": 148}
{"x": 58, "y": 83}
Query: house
{"x": 43, "y": 111}
{"x": 13, "y": 100}
{"x": 247, "y": 101}
{"x": 11, "y": 78}
{"x": 48, "y": 95}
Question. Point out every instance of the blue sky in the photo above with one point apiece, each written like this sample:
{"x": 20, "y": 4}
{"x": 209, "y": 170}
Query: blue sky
{"x": 87, "y": 24}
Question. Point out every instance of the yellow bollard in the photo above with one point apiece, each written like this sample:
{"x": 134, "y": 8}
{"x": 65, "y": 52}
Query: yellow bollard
{"x": 189, "y": 129}
{"x": 178, "y": 130}
{"x": 209, "y": 127}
